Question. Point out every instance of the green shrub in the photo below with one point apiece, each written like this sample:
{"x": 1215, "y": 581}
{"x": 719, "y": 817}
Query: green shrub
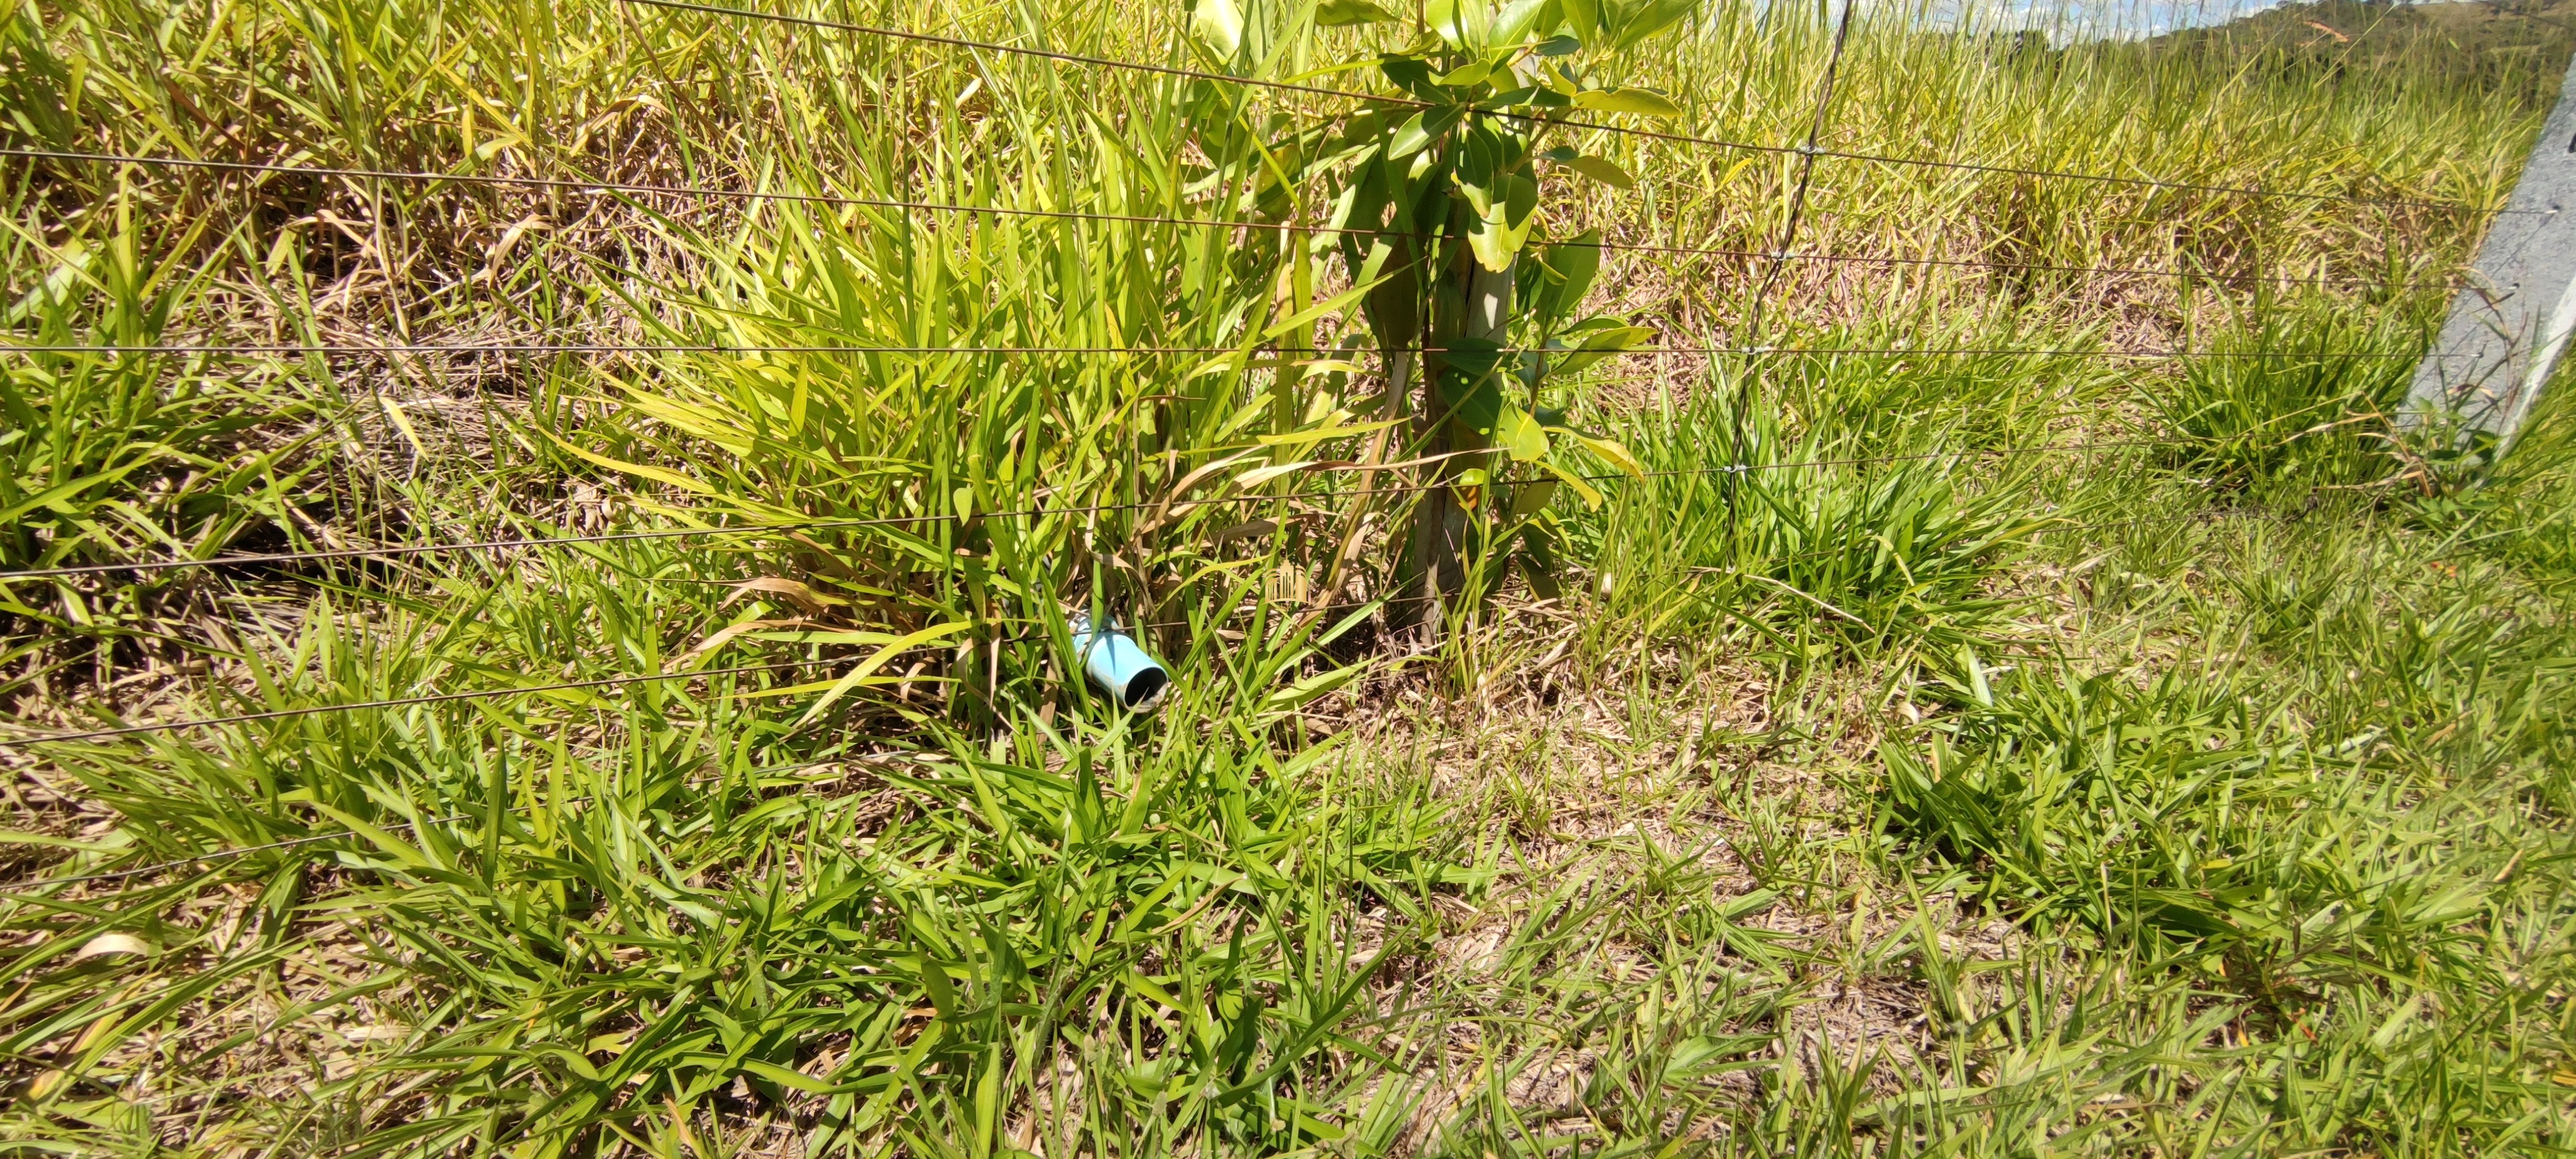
{"x": 2301, "y": 395}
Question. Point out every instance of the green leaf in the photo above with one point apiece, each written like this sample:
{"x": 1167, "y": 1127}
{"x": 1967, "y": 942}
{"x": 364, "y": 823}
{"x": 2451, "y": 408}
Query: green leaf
{"x": 1221, "y": 364}
{"x": 1639, "y": 101}
{"x": 1503, "y": 227}
{"x": 1218, "y": 25}
{"x": 1521, "y": 19}
{"x": 1616, "y": 338}
{"x": 1520, "y": 435}
{"x": 1583, "y": 19}
{"x": 1421, "y": 129}
{"x": 385, "y": 842}
{"x": 657, "y": 474}
{"x": 1462, "y": 24}
{"x": 1471, "y": 73}
{"x": 1333, "y": 305}
{"x": 869, "y": 666}
{"x": 1531, "y": 498}
{"x": 1319, "y": 434}
{"x": 1321, "y": 1130}
{"x": 793, "y": 1080}
{"x": 1260, "y": 475}
{"x": 1311, "y": 689}
{"x": 1475, "y": 399}
{"x": 1637, "y": 22}
{"x": 1601, "y": 344}
{"x": 1341, "y": 13}
{"x": 52, "y": 498}
{"x": 1613, "y": 452}
{"x": 1591, "y": 495}
{"x": 1603, "y": 170}
{"x": 1492, "y": 246}
{"x": 934, "y": 980}
{"x": 113, "y": 843}
{"x": 1571, "y": 265}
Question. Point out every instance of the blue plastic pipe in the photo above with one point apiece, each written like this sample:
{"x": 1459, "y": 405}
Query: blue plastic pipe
{"x": 1123, "y": 670}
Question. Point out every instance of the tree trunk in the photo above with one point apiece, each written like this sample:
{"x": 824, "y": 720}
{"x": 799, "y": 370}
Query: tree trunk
{"x": 1472, "y": 303}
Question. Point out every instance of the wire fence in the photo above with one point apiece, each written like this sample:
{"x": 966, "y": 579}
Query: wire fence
{"x": 1309, "y": 611}
{"x": 396, "y": 702}
{"x": 723, "y": 348}
{"x": 1809, "y": 149}
{"x": 223, "y": 855}
{"x": 1808, "y": 153}
{"x": 219, "y": 856}
{"x": 710, "y": 192}
{"x": 396, "y": 551}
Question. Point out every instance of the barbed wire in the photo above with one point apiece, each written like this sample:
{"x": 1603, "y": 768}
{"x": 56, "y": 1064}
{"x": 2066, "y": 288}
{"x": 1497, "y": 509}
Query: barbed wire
{"x": 402, "y": 550}
{"x": 595, "y": 348}
{"x": 1732, "y": 469}
{"x": 619, "y": 681}
{"x": 1788, "y": 240}
{"x": 473, "y": 348}
{"x": 221, "y": 855}
{"x": 191, "y": 723}
{"x": 398, "y": 702}
{"x": 1807, "y": 150}
{"x": 1839, "y": 258}
{"x": 1033, "y": 53}
{"x": 211, "y": 857}
{"x": 851, "y": 200}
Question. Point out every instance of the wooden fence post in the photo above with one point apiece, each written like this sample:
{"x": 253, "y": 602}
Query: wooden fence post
{"x": 2511, "y": 320}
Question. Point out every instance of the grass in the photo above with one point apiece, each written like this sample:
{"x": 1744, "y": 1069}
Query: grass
{"x": 2030, "y": 752}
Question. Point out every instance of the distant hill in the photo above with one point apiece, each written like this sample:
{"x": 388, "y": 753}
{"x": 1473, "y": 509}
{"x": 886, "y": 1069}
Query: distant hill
{"x": 2516, "y": 49}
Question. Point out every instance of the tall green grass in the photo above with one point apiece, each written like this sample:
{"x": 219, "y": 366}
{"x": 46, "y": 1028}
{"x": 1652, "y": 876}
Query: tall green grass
{"x": 1874, "y": 544}
{"x": 2304, "y": 393}
{"x": 1955, "y": 781}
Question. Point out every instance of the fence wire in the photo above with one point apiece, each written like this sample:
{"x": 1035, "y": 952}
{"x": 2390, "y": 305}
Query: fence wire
{"x": 192, "y": 723}
{"x": 727, "y": 348}
{"x": 717, "y": 192}
{"x": 1808, "y": 153}
{"x": 1806, "y": 150}
{"x": 396, "y": 551}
